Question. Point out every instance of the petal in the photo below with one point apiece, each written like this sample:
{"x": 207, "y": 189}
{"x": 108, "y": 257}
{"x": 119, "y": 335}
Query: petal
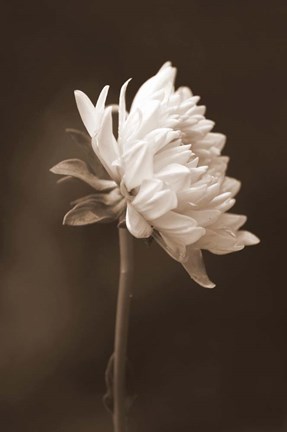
{"x": 213, "y": 139}
{"x": 138, "y": 163}
{"x": 176, "y": 250}
{"x": 183, "y": 229}
{"x": 185, "y": 93}
{"x": 247, "y": 238}
{"x": 149, "y": 114}
{"x": 196, "y": 268}
{"x": 86, "y": 110}
{"x": 231, "y": 185}
{"x": 91, "y": 116}
{"x": 106, "y": 146}
{"x": 179, "y": 155}
{"x": 191, "y": 195}
{"x": 162, "y": 138}
{"x": 153, "y": 199}
{"x": 204, "y": 217}
{"x": 164, "y": 79}
{"x": 136, "y": 224}
{"x": 230, "y": 221}
{"x": 122, "y": 106}
{"x": 100, "y": 105}
{"x": 176, "y": 176}
{"x": 220, "y": 242}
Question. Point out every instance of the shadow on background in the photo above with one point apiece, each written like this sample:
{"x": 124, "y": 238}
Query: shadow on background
{"x": 203, "y": 360}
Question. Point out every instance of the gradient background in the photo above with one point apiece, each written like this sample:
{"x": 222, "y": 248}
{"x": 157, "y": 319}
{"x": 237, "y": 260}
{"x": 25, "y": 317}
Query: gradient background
{"x": 203, "y": 359}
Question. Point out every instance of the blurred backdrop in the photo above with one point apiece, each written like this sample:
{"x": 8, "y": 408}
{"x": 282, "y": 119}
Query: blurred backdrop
{"x": 202, "y": 359}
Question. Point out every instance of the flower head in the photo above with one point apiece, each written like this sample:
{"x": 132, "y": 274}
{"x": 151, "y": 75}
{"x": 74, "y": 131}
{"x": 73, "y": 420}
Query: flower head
{"x": 164, "y": 172}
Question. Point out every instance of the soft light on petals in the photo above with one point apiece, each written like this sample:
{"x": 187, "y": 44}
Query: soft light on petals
{"x": 167, "y": 172}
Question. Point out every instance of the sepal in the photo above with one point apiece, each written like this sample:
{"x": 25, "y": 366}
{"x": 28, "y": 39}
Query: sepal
{"x": 80, "y": 170}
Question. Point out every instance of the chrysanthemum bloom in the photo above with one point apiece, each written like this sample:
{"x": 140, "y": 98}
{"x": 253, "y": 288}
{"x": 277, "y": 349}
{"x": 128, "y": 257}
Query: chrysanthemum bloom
{"x": 163, "y": 172}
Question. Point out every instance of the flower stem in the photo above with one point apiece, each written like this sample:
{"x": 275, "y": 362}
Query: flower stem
{"x": 121, "y": 329}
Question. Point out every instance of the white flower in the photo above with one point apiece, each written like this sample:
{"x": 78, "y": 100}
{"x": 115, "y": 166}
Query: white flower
{"x": 165, "y": 172}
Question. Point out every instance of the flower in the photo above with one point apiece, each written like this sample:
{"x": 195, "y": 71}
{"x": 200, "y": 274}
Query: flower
{"x": 164, "y": 172}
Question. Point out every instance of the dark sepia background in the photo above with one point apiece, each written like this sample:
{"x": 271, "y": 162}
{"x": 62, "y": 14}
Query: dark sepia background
{"x": 203, "y": 360}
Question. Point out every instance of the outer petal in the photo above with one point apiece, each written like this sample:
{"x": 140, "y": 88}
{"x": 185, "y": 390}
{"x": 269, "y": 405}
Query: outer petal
{"x": 86, "y": 110}
{"x": 195, "y": 267}
{"x": 106, "y": 146}
{"x": 122, "y": 107}
{"x": 91, "y": 116}
{"x": 136, "y": 223}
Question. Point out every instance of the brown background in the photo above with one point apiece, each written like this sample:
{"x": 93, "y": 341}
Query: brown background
{"x": 203, "y": 360}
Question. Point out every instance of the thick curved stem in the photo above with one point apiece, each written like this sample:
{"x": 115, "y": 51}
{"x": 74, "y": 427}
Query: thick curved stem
{"x": 121, "y": 329}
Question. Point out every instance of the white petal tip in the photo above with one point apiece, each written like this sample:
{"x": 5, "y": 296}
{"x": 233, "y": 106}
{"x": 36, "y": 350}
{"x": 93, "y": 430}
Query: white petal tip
{"x": 255, "y": 240}
{"x": 203, "y": 282}
{"x": 78, "y": 93}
